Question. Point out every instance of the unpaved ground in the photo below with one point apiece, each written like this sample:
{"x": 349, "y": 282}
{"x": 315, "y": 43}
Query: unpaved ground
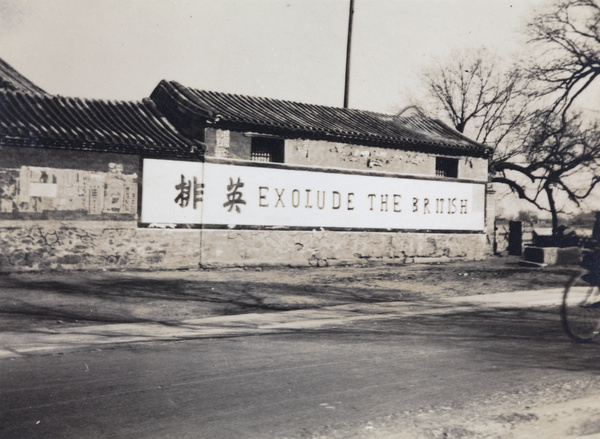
{"x": 59, "y": 298}
{"x": 551, "y": 408}
{"x": 567, "y": 410}
{"x": 564, "y": 403}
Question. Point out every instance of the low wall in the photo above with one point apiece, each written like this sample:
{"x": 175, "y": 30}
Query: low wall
{"x": 553, "y": 255}
{"x": 322, "y": 248}
{"x": 43, "y": 245}
{"x": 58, "y": 245}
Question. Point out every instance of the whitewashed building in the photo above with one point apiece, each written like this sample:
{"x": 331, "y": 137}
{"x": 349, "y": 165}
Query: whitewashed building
{"x": 191, "y": 178}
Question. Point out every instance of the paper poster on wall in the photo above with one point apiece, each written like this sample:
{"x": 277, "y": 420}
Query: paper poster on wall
{"x": 231, "y": 195}
{"x": 65, "y": 193}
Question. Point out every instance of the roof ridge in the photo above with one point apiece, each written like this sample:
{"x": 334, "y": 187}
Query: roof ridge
{"x": 59, "y": 96}
{"x": 11, "y": 76}
{"x": 269, "y": 99}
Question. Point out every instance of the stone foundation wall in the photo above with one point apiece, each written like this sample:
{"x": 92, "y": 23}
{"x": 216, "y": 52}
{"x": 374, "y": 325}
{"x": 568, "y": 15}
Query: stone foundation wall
{"x": 49, "y": 245}
{"x": 60, "y": 245}
{"x": 322, "y": 248}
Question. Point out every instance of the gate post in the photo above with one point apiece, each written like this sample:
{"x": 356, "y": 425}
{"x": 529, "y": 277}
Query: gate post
{"x": 515, "y": 238}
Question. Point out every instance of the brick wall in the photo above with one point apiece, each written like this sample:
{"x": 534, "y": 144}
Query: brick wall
{"x": 40, "y": 229}
{"x": 230, "y": 144}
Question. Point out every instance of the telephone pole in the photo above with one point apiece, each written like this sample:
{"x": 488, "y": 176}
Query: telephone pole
{"x": 348, "y": 49}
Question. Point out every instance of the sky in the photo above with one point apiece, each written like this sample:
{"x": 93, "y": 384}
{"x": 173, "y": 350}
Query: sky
{"x": 283, "y": 49}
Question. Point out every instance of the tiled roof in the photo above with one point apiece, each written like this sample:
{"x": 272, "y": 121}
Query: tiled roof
{"x": 409, "y": 130}
{"x": 10, "y": 79}
{"x": 28, "y": 119}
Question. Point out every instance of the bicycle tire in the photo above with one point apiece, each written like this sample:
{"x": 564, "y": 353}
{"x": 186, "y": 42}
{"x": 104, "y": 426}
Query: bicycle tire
{"x": 580, "y": 310}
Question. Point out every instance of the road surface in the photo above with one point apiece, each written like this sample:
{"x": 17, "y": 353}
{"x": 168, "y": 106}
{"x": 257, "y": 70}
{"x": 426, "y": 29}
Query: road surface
{"x": 480, "y": 371}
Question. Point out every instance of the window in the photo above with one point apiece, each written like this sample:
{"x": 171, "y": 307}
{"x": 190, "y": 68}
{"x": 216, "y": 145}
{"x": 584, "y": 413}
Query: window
{"x": 265, "y": 149}
{"x": 446, "y": 167}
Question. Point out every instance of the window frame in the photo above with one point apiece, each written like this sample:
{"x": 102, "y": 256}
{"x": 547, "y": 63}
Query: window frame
{"x": 446, "y": 167}
{"x": 270, "y": 148}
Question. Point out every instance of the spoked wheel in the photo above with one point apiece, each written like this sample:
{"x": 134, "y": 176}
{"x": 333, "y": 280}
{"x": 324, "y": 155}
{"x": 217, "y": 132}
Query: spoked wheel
{"x": 580, "y": 312}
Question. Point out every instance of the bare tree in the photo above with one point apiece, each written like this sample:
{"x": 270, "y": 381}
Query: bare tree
{"x": 569, "y": 39}
{"x": 473, "y": 92}
{"x": 481, "y": 100}
{"x": 537, "y": 152}
{"x": 559, "y": 151}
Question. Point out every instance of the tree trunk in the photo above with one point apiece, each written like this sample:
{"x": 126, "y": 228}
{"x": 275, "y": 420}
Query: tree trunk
{"x": 553, "y": 211}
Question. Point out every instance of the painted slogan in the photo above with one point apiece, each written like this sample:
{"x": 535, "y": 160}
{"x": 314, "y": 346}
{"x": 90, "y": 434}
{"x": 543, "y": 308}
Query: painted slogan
{"x": 176, "y": 192}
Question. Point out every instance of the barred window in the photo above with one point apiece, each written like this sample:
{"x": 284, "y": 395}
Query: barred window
{"x": 267, "y": 150}
{"x": 446, "y": 167}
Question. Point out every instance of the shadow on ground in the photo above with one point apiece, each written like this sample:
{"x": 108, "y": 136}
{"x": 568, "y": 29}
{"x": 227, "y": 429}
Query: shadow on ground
{"x": 170, "y": 297}
{"x": 531, "y": 338}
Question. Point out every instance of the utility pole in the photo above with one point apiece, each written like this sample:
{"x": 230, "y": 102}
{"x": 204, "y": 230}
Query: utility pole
{"x": 348, "y": 48}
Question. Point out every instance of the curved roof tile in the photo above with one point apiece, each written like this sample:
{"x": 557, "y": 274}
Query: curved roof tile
{"x": 29, "y": 119}
{"x": 408, "y": 130}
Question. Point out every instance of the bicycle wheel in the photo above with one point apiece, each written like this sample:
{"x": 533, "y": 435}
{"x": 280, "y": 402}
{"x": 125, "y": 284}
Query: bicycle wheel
{"x": 580, "y": 311}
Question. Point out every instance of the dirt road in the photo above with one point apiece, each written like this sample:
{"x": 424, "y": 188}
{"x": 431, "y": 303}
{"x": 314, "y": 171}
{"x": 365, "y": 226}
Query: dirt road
{"x": 79, "y": 298}
{"x": 485, "y": 370}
